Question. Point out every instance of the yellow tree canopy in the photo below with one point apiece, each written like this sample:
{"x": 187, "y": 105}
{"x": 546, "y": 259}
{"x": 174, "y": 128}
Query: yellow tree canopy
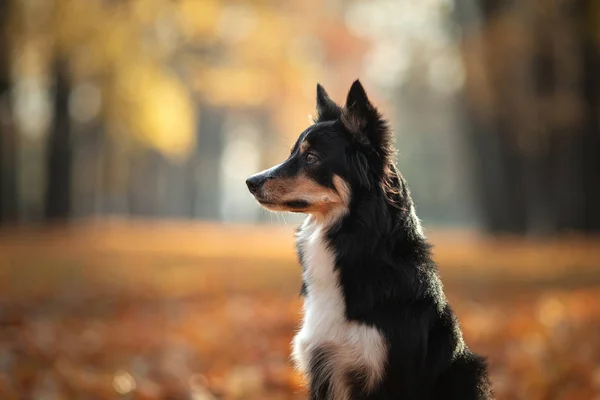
{"x": 153, "y": 58}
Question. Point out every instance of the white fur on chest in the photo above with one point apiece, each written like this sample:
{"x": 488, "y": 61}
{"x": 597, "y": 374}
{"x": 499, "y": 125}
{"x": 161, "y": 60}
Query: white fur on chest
{"x": 354, "y": 347}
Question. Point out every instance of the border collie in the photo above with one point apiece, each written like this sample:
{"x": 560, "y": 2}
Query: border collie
{"x": 376, "y": 324}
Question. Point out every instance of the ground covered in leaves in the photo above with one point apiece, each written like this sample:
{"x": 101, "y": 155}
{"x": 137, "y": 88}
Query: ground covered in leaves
{"x": 73, "y": 327}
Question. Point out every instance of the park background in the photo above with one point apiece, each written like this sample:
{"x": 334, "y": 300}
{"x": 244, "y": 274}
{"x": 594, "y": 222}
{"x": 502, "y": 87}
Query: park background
{"x": 135, "y": 265}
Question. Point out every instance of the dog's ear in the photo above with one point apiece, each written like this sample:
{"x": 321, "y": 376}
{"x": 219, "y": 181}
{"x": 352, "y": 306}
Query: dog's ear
{"x": 327, "y": 110}
{"x": 358, "y": 112}
{"x": 362, "y": 119}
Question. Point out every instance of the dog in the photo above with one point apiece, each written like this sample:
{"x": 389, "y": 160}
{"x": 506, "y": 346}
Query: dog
{"x": 376, "y": 323}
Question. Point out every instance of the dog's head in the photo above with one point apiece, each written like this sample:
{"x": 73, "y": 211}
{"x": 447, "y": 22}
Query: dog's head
{"x": 346, "y": 151}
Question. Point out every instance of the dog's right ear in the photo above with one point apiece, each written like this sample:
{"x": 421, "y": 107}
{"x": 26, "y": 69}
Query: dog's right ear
{"x": 327, "y": 110}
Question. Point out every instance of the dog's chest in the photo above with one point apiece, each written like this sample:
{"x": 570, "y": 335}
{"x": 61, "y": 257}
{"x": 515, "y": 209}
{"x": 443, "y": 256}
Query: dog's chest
{"x": 350, "y": 346}
{"x": 324, "y": 307}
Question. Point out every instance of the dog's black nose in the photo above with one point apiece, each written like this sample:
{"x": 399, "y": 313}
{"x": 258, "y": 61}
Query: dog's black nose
{"x": 254, "y": 183}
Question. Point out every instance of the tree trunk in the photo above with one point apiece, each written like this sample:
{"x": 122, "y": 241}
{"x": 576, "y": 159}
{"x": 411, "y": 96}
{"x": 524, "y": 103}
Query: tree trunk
{"x": 59, "y": 150}
{"x": 589, "y": 14}
{"x": 205, "y": 164}
{"x": 532, "y": 99}
{"x": 8, "y": 182}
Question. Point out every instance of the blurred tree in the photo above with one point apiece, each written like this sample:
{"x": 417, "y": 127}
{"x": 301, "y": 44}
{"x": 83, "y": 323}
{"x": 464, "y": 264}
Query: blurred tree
{"x": 8, "y": 200}
{"x": 533, "y": 97}
{"x": 141, "y": 94}
{"x": 57, "y": 199}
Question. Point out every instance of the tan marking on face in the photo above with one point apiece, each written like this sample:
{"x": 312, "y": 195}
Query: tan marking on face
{"x": 342, "y": 188}
{"x": 304, "y": 146}
{"x": 322, "y": 201}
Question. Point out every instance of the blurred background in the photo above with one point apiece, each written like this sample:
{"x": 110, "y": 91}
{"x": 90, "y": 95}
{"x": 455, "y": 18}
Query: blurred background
{"x": 135, "y": 265}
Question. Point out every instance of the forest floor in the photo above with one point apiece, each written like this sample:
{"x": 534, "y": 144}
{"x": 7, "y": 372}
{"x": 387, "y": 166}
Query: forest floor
{"x": 199, "y": 311}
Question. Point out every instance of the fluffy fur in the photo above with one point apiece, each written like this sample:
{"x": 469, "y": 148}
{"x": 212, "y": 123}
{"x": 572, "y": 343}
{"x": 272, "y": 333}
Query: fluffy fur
{"x": 376, "y": 322}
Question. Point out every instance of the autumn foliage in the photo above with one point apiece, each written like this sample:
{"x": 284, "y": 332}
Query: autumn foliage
{"x": 82, "y": 317}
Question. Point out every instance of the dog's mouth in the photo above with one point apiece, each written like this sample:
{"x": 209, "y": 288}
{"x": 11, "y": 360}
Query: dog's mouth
{"x": 297, "y": 204}
{"x": 289, "y": 205}
{"x": 266, "y": 202}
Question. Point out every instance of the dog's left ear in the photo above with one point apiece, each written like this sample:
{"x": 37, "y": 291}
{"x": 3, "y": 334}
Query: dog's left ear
{"x": 359, "y": 111}
{"x": 362, "y": 119}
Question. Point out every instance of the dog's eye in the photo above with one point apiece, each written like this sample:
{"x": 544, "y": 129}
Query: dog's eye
{"x": 311, "y": 158}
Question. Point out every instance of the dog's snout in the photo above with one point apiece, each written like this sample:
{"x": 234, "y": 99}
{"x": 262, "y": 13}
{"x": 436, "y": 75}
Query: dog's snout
{"x": 255, "y": 182}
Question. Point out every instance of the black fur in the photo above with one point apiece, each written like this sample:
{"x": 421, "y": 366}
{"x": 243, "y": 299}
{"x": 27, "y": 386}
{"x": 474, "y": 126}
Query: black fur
{"x": 386, "y": 272}
{"x": 296, "y": 204}
{"x": 388, "y": 277}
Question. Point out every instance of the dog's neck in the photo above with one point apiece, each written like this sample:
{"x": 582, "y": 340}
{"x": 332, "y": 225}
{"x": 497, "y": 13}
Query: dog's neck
{"x": 371, "y": 227}
{"x": 382, "y": 211}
